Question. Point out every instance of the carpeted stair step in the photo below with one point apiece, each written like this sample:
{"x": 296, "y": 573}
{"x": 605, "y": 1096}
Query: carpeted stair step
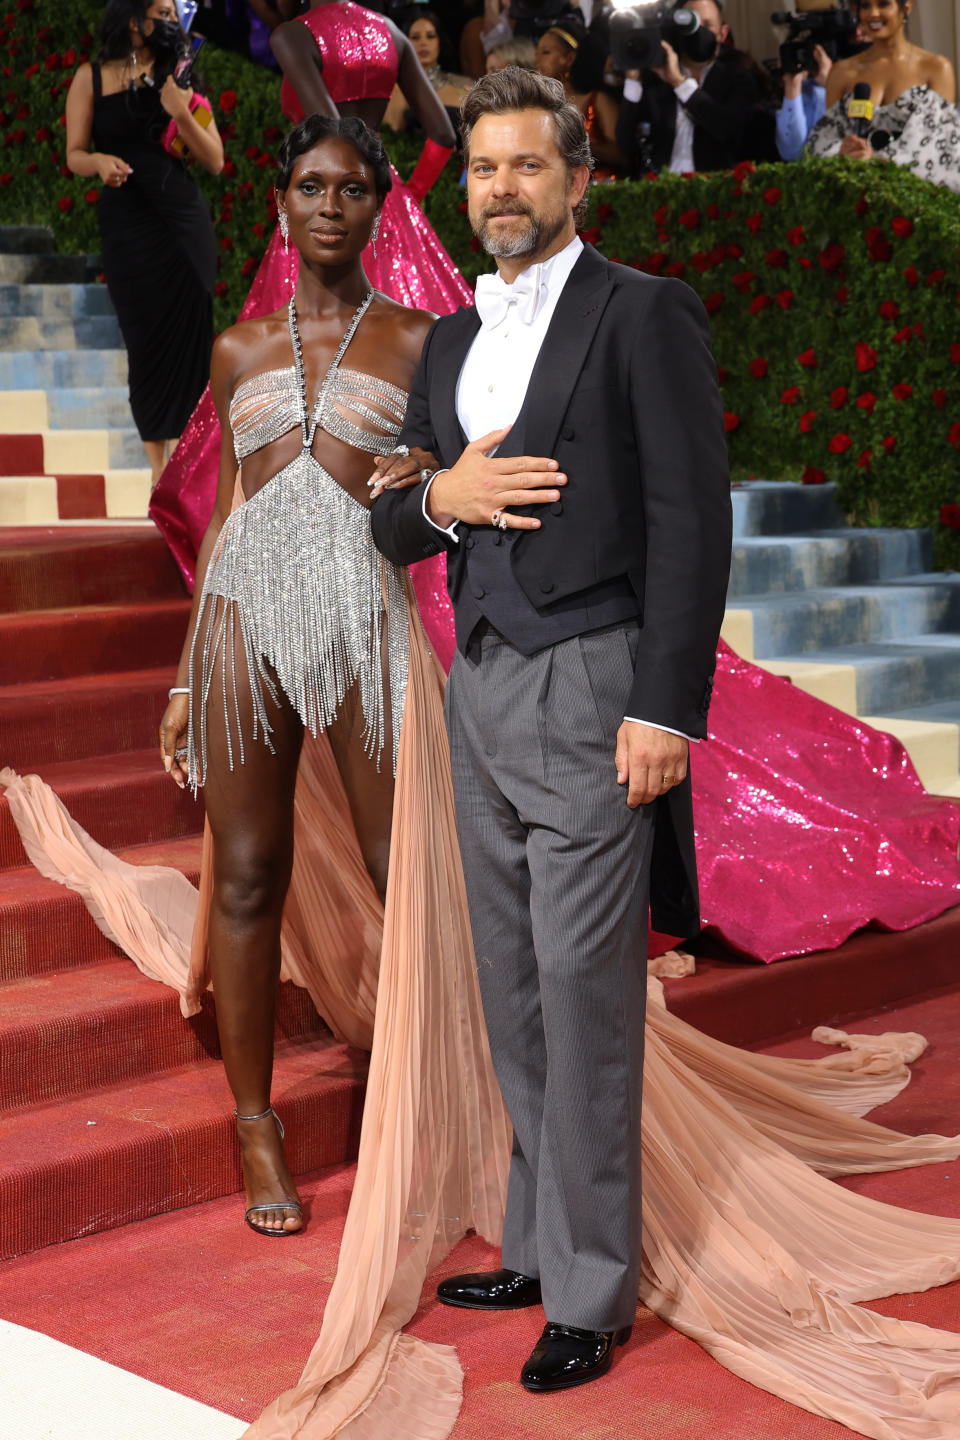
{"x": 53, "y": 369}
{"x": 66, "y": 302}
{"x": 37, "y": 332}
{"x": 74, "y": 1032}
{"x": 765, "y": 565}
{"x": 98, "y": 565}
{"x": 85, "y": 716}
{"x": 26, "y": 240}
{"x": 91, "y": 1163}
{"x": 81, "y": 407}
{"x": 44, "y": 927}
{"x": 55, "y": 644}
{"x": 770, "y": 507}
{"x": 121, "y": 800}
{"x": 797, "y": 622}
{"x": 890, "y": 677}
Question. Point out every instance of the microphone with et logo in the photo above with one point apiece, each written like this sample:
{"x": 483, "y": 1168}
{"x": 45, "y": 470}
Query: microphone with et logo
{"x": 860, "y": 110}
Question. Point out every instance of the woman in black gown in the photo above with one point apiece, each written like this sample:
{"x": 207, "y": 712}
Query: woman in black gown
{"x": 157, "y": 241}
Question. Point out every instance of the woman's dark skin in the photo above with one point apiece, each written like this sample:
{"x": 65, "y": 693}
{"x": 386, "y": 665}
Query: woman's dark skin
{"x": 331, "y": 203}
{"x": 300, "y": 60}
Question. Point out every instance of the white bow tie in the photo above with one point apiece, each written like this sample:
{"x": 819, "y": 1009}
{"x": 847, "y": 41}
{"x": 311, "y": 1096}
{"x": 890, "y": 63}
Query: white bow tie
{"x": 495, "y": 298}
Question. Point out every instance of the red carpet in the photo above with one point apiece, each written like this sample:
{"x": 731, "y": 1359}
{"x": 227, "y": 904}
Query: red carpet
{"x": 196, "y": 1302}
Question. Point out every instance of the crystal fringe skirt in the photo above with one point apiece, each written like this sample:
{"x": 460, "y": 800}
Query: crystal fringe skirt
{"x": 297, "y": 593}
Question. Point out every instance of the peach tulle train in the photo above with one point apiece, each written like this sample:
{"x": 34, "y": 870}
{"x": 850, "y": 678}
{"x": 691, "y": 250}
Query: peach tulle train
{"x": 748, "y": 1246}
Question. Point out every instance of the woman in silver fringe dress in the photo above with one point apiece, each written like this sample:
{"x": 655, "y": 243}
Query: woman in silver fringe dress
{"x": 298, "y": 623}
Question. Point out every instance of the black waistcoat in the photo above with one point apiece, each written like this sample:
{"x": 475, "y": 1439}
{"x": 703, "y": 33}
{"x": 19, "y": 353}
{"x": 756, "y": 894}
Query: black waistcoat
{"x": 490, "y": 590}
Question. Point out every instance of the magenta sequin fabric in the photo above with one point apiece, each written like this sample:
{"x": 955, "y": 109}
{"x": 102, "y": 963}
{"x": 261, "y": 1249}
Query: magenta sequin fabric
{"x": 811, "y": 824}
{"x": 359, "y": 56}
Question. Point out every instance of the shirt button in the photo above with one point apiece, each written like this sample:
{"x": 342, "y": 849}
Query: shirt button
{"x": 470, "y": 543}
{"x": 478, "y": 592}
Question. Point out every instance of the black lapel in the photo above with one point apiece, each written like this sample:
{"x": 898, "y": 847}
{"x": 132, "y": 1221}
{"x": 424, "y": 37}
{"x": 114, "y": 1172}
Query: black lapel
{"x": 564, "y": 349}
{"x": 447, "y": 360}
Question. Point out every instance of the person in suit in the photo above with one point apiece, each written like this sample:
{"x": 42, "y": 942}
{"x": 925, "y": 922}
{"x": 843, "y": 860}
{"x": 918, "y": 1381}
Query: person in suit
{"x": 582, "y": 496}
{"x": 702, "y": 113}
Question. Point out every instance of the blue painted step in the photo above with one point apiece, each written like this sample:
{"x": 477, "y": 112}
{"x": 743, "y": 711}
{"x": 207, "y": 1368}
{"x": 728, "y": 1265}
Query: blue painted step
{"x": 769, "y": 507}
{"x": 766, "y": 565}
{"x": 54, "y": 369}
{"x": 48, "y": 269}
{"x": 794, "y": 623}
{"x": 97, "y": 332}
{"x": 82, "y": 408}
{"x": 901, "y": 675}
{"x": 26, "y": 239}
{"x": 66, "y": 302}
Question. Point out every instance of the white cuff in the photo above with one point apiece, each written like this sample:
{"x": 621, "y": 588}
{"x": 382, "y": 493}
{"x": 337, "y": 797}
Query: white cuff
{"x": 669, "y": 729}
{"x": 633, "y": 90}
{"x": 451, "y": 530}
{"x": 685, "y": 89}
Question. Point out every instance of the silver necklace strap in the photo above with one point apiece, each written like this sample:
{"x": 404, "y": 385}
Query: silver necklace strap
{"x": 308, "y": 424}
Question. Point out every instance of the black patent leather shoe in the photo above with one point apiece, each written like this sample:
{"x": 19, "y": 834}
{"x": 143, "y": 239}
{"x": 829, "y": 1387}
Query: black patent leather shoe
{"x": 494, "y": 1290}
{"x": 564, "y": 1356}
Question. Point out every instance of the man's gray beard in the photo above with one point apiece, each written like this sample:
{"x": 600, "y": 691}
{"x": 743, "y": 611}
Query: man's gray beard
{"x": 528, "y": 241}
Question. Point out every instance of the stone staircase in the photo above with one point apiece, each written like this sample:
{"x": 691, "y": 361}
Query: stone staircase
{"x": 68, "y": 446}
{"x": 856, "y": 617}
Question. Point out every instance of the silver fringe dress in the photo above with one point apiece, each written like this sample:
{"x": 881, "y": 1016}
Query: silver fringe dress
{"x": 295, "y": 589}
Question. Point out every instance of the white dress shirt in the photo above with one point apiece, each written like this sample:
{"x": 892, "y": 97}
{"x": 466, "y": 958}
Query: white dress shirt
{"x": 495, "y": 375}
{"x": 681, "y": 157}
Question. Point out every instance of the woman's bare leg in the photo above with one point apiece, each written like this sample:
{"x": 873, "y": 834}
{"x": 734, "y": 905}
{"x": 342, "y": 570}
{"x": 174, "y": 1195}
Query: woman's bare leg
{"x": 250, "y": 810}
{"x": 369, "y": 790}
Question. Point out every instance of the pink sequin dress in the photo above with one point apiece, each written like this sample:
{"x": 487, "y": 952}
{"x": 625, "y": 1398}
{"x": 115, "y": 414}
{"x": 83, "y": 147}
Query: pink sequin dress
{"x": 411, "y": 266}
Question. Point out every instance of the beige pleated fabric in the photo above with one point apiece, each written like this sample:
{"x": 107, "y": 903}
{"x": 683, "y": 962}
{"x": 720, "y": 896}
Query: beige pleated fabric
{"x": 749, "y": 1247}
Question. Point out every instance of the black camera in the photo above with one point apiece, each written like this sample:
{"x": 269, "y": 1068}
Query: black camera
{"x": 637, "y": 35}
{"x": 532, "y": 17}
{"x": 834, "y": 29}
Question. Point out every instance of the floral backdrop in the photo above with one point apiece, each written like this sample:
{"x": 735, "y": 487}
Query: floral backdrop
{"x": 833, "y": 286}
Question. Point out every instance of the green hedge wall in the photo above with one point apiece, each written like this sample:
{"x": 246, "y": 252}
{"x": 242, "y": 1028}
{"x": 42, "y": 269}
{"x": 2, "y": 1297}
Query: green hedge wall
{"x": 833, "y": 286}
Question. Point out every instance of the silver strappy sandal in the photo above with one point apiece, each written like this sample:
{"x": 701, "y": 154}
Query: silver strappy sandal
{"x": 275, "y": 1205}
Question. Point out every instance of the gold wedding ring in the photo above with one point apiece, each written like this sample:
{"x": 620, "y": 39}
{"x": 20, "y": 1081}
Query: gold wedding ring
{"x": 669, "y": 779}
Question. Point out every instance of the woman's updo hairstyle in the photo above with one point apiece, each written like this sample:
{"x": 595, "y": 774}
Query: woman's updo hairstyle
{"x": 315, "y": 128}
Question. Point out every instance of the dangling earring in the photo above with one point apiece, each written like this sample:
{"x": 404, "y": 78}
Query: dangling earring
{"x": 285, "y": 231}
{"x": 374, "y": 233}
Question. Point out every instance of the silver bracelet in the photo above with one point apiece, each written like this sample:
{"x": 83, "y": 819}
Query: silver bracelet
{"x": 178, "y": 690}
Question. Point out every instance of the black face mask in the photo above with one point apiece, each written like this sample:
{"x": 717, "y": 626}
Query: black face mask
{"x": 701, "y": 46}
{"x": 166, "y": 40}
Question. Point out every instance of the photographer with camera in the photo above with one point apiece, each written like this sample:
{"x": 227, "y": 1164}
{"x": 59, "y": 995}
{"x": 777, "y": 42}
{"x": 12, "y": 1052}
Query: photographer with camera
{"x": 688, "y": 97}
{"x": 804, "y": 102}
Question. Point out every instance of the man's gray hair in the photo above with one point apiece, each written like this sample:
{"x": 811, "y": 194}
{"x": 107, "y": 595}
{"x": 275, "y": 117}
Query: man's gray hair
{"x": 513, "y": 88}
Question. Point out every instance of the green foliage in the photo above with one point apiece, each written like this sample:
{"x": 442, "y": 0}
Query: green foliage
{"x": 830, "y": 283}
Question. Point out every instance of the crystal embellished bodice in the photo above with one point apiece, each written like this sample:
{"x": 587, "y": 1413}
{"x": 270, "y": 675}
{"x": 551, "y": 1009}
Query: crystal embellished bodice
{"x": 360, "y": 409}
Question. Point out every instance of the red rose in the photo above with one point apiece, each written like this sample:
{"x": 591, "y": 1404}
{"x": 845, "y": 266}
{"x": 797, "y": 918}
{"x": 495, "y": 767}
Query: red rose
{"x": 31, "y": 167}
{"x": 713, "y": 212}
{"x": 43, "y": 134}
{"x": 654, "y": 263}
{"x": 229, "y": 169}
{"x": 713, "y": 303}
{"x": 228, "y": 101}
{"x": 722, "y": 375}
{"x": 804, "y": 262}
{"x": 950, "y": 516}
{"x": 864, "y": 462}
{"x": 902, "y": 391}
{"x": 890, "y": 443}
{"x": 759, "y": 367}
{"x": 690, "y": 219}
{"x": 867, "y": 402}
{"x": 221, "y": 287}
{"x": 772, "y": 196}
{"x": 264, "y": 162}
{"x": 902, "y": 337}
{"x": 700, "y": 262}
{"x": 743, "y": 169}
{"x": 790, "y": 396}
{"x": 812, "y": 476}
{"x": 902, "y": 227}
{"x": 734, "y": 252}
{"x": 832, "y": 256}
{"x": 862, "y": 206}
{"x": 258, "y": 228}
{"x": 776, "y": 259}
{"x": 912, "y": 276}
{"x": 955, "y": 354}
{"x": 842, "y": 295}
{"x": 934, "y": 278}
{"x": 65, "y": 204}
{"x": 676, "y": 269}
{"x": 917, "y": 330}
{"x": 743, "y": 280}
{"x": 604, "y": 210}
{"x": 889, "y": 310}
{"x": 806, "y": 421}
{"x": 866, "y": 357}
{"x": 249, "y": 265}
{"x": 785, "y": 299}
{"x": 953, "y": 434}
{"x": 226, "y": 242}
{"x": 6, "y": 177}
{"x": 840, "y": 444}
{"x": 69, "y": 58}
{"x": 730, "y": 422}
{"x": 52, "y": 62}
{"x": 754, "y": 223}
{"x": 839, "y": 397}
{"x": 660, "y": 218}
{"x": 759, "y": 303}
{"x": 796, "y": 236}
{"x": 92, "y": 196}
{"x": 272, "y": 134}
{"x": 808, "y": 359}
{"x": 939, "y": 398}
